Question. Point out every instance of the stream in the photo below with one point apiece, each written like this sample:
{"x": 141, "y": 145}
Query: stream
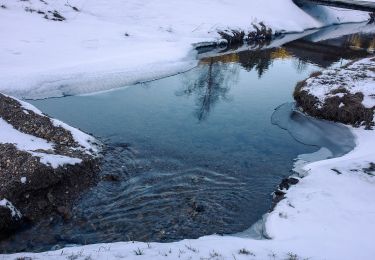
{"x": 200, "y": 152}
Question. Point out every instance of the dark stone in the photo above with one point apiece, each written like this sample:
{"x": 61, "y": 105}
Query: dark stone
{"x": 111, "y": 177}
{"x": 287, "y": 182}
{"x": 8, "y": 223}
{"x": 279, "y": 194}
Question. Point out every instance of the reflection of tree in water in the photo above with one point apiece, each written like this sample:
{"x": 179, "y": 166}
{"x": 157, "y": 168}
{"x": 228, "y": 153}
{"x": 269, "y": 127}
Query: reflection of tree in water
{"x": 259, "y": 60}
{"x": 300, "y": 65}
{"x": 210, "y": 82}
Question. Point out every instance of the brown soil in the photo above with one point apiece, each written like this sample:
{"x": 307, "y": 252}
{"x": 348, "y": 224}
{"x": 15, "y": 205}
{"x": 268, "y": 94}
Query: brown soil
{"x": 353, "y": 112}
{"x": 47, "y": 190}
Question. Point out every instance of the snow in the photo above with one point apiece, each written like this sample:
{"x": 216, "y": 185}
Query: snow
{"x": 90, "y": 52}
{"x": 88, "y": 143}
{"x": 13, "y": 210}
{"x": 56, "y": 160}
{"x": 23, "y": 142}
{"x": 356, "y": 77}
{"x": 337, "y": 31}
{"x": 23, "y": 180}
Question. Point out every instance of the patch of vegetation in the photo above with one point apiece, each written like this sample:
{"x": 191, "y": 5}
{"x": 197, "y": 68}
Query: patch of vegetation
{"x": 244, "y": 251}
{"x": 233, "y": 36}
{"x": 371, "y": 19}
{"x": 49, "y": 15}
{"x": 370, "y": 170}
{"x": 138, "y": 252}
{"x": 73, "y": 7}
{"x": 291, "y": 256}
{"x": 72, "y": 257}
{"x": 57, "y": 16}
{"x": 192, "y": 249}
{"x": 347, "y": 108}
{"x": 214, "y": 254}
{"x": 336, "y": 171}
{"x": 260, "y": 35}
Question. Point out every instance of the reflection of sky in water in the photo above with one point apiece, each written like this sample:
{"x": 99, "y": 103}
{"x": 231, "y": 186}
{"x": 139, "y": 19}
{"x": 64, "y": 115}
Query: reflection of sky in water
{"x": 196, "y": 153}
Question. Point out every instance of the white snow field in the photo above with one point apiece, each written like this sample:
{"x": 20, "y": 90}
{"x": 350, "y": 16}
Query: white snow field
{"x": 109, "y": 44}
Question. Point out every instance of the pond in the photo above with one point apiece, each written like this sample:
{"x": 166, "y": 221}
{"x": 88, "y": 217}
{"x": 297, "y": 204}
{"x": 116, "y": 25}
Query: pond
{"x": 197, "y": 153}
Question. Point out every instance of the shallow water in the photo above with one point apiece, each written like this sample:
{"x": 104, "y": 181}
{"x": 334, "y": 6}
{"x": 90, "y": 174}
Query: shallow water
{"x": 195, "y": 154}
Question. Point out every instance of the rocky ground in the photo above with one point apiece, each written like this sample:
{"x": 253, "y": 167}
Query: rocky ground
{"x": 37, "y": 181}
{"x": 345, "y": 94}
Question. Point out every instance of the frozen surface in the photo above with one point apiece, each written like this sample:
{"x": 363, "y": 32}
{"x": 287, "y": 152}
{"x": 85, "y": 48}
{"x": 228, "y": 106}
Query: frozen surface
{"x": 108, "y": 45}
{"x": 312, "y": 131}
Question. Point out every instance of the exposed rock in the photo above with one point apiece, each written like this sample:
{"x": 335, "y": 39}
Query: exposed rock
{"x": 111, "y": 177}
{"x": 279, "y": 194}
{"x": 287, "y": 182}
{"x": 36, "y": 188}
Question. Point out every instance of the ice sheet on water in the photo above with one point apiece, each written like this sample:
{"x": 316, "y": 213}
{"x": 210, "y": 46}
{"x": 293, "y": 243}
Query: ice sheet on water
{"x": 335, "y": 137}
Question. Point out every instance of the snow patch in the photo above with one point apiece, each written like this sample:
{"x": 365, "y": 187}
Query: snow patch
{"x": 356, "y": 77}
{"x": 23, "y": 180}
{"x": 13, "y": 210}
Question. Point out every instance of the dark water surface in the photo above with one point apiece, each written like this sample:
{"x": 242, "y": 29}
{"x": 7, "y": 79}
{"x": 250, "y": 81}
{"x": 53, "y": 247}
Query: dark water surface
{"x": 194, "y": 154}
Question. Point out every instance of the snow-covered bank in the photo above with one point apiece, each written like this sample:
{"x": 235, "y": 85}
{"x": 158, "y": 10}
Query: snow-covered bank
{"x": 327, "y": 215}
{"x": 343, "y": 94}
{"x": 104, "y": 45}
{"x": 40, "y": 158}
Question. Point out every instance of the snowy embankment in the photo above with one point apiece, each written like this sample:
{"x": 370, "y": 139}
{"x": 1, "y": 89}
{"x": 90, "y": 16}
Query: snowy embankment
{"x": 100, "y": 45}
{"x": 344, "y": 94}
{"x": 329, "y": 214}
{"x": 41, "y": 159}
